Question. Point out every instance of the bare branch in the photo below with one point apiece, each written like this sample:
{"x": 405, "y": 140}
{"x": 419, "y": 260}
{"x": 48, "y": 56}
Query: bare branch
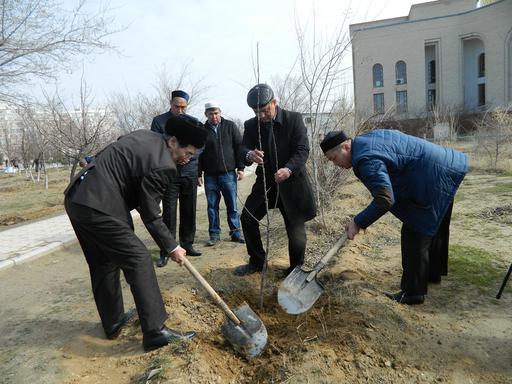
{"x": 40, "y": 37}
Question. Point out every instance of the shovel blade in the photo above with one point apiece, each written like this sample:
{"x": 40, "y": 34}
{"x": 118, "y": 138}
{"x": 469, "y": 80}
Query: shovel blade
{"x": 249, "y": 338}
{"x": 296, "y": 294}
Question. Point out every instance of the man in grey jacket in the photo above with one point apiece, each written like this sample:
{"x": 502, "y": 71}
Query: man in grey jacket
{"x": 223, "y": 167}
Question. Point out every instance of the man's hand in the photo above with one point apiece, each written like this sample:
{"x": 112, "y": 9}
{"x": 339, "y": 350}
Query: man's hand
{"x": 281, "y": 175}
{"x": 352, "y": 229}
{"x": 240, "y": 175}
{"x": 256, "y": 156}
{"x": 178, "y": 255}
{"x": 200, "y": 181}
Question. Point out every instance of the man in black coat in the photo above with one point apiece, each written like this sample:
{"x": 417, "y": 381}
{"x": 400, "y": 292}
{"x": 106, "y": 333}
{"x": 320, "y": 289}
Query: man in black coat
{"x": 283, "y": 153}
{"x": 223, "y": 168}
{"x": 131, "y": 173}
{"x": 182, "y": 188}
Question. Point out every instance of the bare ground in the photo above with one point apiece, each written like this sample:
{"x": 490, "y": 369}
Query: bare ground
{"x": 50, "y": 331}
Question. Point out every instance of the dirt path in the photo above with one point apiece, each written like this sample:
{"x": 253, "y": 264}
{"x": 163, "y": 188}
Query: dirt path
{"x": 50, "y": 331}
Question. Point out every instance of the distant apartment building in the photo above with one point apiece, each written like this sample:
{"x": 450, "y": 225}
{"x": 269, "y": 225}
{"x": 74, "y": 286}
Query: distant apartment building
{"x": 15, "y": 136}
{"x": 451, "y": 53}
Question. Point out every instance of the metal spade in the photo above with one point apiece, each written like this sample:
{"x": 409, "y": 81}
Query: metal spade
{"x": 243, "y": 328}
{"x": 300, "y": 290}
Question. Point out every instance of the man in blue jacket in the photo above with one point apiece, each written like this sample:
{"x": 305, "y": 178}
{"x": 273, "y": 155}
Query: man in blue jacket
{"x": 416, "y": 181}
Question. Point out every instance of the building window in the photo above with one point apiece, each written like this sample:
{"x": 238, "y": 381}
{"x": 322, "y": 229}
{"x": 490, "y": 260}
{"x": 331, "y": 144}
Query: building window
{"x": 378, "y": 103}
{"x": 431, "y": 99}
{"x": 481, "y": 65}
{"x": 378, "y": 76}
{"x": 401, "y": 101}
{"x": 401, "y": 72}
{"x": 481, "y": 94}
{"x": 432, "y": 72}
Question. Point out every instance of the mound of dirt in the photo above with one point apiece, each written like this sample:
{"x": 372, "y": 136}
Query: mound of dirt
{"x": 353, "y": 333}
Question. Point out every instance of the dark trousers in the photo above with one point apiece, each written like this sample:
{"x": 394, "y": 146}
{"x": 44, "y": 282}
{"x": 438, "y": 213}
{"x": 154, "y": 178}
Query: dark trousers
{"x": 254, "y": 210}
{"x": 424, "y": 258}
{"x": 110, "y": 246}
{"x": 184, "y": 190}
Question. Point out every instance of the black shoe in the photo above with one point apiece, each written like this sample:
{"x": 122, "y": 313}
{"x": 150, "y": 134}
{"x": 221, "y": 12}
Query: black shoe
{"x": 162, "y": 262}
{"x": 192, "y": 252}
{"x": 212, "y": 241}
{"x": 157, "y": 339}
{"x": 246, "y": 269}
{"x": 115, "y": 330}
{"x": 238, "y": 239}
{"x": 403, "y": 298}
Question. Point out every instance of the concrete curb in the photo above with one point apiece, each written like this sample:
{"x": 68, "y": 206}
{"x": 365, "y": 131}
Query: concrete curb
{"x": 38, "y": 252}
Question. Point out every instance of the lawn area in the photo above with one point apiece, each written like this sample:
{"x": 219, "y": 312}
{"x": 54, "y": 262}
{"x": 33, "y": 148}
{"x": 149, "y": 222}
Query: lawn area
{"x": 22, "y": 199}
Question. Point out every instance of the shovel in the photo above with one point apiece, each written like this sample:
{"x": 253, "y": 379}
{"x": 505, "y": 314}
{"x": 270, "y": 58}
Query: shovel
{"x": 242, "y": 328}
{"x": 300, "y": 290}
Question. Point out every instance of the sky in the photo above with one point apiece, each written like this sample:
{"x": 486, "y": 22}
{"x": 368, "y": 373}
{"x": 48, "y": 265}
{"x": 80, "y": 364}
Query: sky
{"x": 216, "y": 41}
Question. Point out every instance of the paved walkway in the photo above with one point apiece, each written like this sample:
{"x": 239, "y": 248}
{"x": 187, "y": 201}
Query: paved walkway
{"x": 29, "y": 241}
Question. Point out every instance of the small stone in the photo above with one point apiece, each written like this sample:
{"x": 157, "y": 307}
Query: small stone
{"x": 387, "y": 363}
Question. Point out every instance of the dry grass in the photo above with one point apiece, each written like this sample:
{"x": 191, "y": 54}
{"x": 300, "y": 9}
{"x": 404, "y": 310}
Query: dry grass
{"x": 21, "y": 199}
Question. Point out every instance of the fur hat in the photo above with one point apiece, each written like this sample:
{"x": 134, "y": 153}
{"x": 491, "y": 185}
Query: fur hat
{"x": 187, "y": 130}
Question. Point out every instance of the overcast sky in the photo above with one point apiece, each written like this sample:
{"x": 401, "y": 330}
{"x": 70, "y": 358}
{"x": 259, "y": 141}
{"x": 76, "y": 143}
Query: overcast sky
{"x": 217, "y": 39}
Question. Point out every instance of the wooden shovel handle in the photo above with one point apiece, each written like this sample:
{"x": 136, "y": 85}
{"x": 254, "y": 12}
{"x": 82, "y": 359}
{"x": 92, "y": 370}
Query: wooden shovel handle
{"x": 324, "y": 260}
{"x": 212, "y": 292}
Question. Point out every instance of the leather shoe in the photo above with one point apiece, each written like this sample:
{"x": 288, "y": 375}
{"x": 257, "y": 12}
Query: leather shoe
{"x": 156, "y": 339}
{"x": 192, "y": 252}
{"x": 404, "y": 298}
{"x": 162, "y": 262}
{"x": 238, "y": 239}
{"x": 212, "y": 241}
{"x": 116, "y": 328}
{"x": 246, "y": 269}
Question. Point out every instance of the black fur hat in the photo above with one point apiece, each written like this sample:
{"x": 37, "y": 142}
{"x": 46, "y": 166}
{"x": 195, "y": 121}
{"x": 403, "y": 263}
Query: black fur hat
{"x": 187, "y": 130}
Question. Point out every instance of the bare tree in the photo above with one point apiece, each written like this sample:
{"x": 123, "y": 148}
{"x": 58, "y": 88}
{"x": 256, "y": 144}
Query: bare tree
{"x": 447, "y": 117}
{"x": 31, "y": 124}
{"x": 291, "y": 92}
{"x": 132, "y": 112}
{"x": 494, "y": 133}
{"x": 76, "y": 132}
{"x": 321, "y": 72}
{"x": 39, "y": 37}
{"x": 9, "y": 142}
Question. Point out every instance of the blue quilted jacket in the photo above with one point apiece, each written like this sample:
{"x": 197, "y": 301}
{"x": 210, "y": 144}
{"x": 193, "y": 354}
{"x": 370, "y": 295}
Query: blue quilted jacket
{"x": 422, "y": 177}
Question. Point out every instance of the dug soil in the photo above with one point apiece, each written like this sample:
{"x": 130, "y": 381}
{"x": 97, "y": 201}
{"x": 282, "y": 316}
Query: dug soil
{"x": 353, "y": 334}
